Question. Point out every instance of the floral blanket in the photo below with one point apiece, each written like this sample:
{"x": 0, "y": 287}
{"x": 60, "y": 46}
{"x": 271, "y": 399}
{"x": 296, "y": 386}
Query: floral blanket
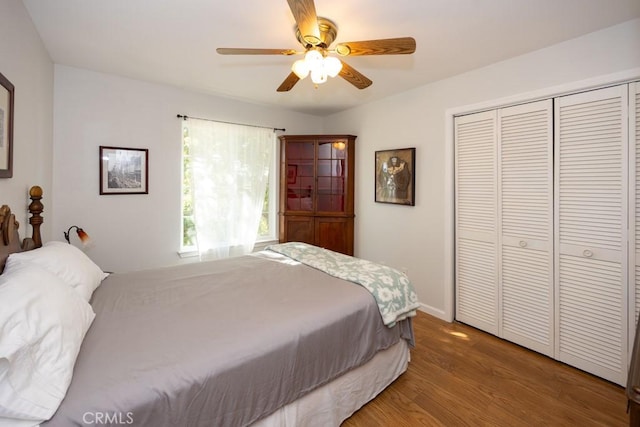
{"x": 392, "y": 290}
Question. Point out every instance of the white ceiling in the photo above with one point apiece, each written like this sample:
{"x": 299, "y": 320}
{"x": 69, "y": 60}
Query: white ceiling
{"x": 174, "y": 41}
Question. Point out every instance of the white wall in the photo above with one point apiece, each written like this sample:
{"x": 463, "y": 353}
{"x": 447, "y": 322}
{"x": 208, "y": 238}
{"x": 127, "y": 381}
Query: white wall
{"x": 418, "y": 238}
{"x": 91, "y": 109}
{"x": 140, "y": 231}
{"x": 25, "y": 62}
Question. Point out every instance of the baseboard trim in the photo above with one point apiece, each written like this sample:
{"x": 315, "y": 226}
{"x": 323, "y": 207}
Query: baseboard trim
{"x": 436, "y": 312}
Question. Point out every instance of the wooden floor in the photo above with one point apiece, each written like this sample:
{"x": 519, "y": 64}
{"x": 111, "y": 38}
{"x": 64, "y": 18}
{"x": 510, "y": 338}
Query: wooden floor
{"x": 461, "y": 376}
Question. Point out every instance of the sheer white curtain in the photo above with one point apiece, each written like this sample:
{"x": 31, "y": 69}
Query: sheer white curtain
{"x": 230, "y": 174}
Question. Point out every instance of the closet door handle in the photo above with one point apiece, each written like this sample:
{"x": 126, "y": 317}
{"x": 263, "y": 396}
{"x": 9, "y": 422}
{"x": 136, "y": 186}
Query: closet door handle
{"x": 523, "y": 244}
{"x": 587, "y": 253}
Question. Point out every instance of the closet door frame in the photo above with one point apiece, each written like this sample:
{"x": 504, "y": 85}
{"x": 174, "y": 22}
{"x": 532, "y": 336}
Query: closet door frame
{"x": 634, "y": 220}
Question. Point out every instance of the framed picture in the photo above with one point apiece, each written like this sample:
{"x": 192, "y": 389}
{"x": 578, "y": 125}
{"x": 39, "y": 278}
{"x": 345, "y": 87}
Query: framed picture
{"x": 6, "y": 128}
{"x": 292, "y": 173}
{"x": 395, "y": 176}
{"x": 124, "y": 170}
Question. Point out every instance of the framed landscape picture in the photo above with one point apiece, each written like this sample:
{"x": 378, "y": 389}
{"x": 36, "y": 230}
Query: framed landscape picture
{"x": 395, "y": 176}
{"x": 6, "y": 127}
{"x": 124, "y": 170}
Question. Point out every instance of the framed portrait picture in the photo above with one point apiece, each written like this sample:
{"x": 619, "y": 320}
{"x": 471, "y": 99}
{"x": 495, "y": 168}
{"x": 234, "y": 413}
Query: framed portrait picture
{"x": 124, "y": 170}
{"x": 6, "y": 127}
{"x": 395, "y": 176}
{"x": 292, "y": 173}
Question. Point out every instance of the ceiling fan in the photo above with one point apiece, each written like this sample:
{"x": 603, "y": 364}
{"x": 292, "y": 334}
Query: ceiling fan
{"x": 316, "y": 35}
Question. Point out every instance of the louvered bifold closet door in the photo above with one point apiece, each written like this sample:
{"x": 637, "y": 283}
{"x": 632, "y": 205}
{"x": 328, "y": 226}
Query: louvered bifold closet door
{"x": 525, "y": 197}
{"x": 591, "y": 240}
{"x": 634, "y": 203}
{"x": 476, "y": 221}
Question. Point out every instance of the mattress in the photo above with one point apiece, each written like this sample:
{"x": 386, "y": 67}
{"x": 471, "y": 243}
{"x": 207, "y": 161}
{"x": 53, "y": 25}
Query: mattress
{"x": 221, "y": 343}
{"x": 331, "y": 404}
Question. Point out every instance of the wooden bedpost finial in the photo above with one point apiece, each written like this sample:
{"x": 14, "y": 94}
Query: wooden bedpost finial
{"x": 35, "y": 191}
{"x": 35, "y": 208}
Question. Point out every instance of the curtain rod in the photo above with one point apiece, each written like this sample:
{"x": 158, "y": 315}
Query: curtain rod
{"x": 185, "y": 117}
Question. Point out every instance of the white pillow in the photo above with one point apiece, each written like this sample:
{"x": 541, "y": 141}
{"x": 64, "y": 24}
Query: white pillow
{"x": 42, "y": 325}
{"x": 67, "y": 262}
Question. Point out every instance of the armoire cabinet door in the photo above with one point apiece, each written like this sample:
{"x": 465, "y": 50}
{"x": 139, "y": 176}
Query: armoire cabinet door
{"x": 476, "y": 221}
{"x": 591, "y": 222}
{"x": 334, "y": 234}
{"x": 525, "y": 206}
{"x": 299, "y": 228}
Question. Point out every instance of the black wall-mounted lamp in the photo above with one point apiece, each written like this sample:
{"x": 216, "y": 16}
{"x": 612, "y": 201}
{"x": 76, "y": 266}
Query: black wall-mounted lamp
{"x": 84, "y": 237}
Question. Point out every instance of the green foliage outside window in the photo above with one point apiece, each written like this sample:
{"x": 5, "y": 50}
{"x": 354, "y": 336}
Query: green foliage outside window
{"x": 263, "y": 229}
{"x": 188, "y": 222}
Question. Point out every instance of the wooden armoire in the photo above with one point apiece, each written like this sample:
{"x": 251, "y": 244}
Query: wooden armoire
{"x": 316, "y": 190}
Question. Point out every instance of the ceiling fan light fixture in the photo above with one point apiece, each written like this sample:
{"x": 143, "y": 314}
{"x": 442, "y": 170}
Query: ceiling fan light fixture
{"x": 318, "y": 76}
{"x": 313, "y": 58}
{"x": 319, "y": 66}
{"x": 300, "y": 68}
{"x": 339, "y": 145}
{"x": 332, "y": 66}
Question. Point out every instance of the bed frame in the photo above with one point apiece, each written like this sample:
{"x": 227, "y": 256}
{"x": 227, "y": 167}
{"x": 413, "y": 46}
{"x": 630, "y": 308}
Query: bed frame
{"x": 329, "y": 404}
{"x": 10, "y": 240}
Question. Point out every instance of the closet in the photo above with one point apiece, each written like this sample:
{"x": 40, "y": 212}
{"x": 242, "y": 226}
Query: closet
{"x": 545, "y": 195}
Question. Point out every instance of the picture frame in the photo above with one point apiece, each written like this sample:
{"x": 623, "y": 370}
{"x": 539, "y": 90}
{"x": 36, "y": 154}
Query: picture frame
{"x": 124, "y": 170}
{"x": 395, "y": 176}
{"x": 292, "y": 174}
{"x": 6, "y": 127}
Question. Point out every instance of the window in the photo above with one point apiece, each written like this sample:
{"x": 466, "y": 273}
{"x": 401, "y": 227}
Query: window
{"x": 229, "y": 183}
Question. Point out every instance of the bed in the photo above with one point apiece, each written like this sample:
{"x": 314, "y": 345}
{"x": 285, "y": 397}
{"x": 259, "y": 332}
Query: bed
{"x": 293, "y": 335}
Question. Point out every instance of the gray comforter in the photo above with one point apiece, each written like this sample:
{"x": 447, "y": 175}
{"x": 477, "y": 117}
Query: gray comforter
{"x": 220, "y": 343}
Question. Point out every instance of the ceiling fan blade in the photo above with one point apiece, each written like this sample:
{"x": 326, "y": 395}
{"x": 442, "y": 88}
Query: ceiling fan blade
{"x": 354, "y": 77}
{"x": 288, "y": 83}
{"x": 243, "y": 51}
{"x": 304, "y": 12}
{"x": 397, "y": 46}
